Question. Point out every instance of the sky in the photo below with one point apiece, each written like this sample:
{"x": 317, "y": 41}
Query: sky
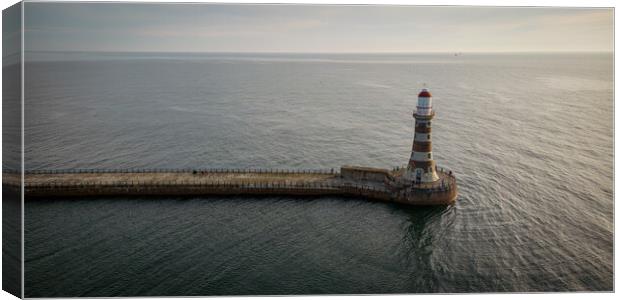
{"x": 152, "y": 27}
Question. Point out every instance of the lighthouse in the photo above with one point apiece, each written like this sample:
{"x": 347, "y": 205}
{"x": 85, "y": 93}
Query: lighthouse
{"x": 421, "y": 167}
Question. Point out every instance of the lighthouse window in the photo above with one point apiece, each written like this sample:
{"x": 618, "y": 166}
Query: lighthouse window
{"x": 428, "y": 137}
{"x": 429, "y": 155}
{"x": 429, "y": 124}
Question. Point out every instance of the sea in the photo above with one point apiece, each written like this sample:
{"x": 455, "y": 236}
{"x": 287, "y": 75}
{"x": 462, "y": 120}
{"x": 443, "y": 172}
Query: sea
{"x": 529, "y": 137}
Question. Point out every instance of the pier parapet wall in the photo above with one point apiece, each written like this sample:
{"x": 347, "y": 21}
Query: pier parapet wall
{"x": 365, "y": 173}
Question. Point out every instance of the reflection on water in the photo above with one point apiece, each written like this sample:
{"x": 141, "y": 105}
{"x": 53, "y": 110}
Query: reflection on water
{"x": 426, "y": 226}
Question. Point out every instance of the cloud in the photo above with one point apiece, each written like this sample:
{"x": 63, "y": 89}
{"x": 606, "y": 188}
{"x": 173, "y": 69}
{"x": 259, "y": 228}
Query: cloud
{"x": 314, "y": 28}
{"x": 228, "y": 30}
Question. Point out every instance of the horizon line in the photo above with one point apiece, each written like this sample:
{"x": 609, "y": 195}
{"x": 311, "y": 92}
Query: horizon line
{"x": 326, "y": 52}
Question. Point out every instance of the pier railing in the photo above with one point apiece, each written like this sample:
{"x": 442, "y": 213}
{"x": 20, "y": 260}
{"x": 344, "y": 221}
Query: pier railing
{"x": 204, "y": 170}
{"x": 157, "y": 184}
{"x": 187, "y": 170}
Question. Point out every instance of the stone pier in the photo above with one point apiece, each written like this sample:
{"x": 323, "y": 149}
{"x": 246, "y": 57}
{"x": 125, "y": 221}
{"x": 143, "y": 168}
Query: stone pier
{"x": 370, "y": 183}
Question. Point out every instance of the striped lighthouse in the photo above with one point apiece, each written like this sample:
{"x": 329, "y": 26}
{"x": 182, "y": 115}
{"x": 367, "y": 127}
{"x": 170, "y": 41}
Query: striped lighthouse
{"x": 421, "y": 168}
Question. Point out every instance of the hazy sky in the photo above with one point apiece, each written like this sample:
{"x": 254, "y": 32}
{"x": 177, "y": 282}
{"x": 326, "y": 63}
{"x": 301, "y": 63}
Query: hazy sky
{"x": 307, "y": 28}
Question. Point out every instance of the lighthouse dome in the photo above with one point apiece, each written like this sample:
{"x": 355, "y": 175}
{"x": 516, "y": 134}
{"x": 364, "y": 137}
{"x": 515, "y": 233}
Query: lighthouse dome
{"x": 424, "y": 93}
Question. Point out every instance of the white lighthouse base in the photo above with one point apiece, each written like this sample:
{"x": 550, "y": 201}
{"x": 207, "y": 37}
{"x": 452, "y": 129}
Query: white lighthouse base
{"x": 419, "y": 175}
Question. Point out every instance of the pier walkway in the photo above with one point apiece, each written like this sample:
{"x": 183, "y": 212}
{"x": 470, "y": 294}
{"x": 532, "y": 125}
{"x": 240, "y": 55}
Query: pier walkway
{"x": 372, "y": 183}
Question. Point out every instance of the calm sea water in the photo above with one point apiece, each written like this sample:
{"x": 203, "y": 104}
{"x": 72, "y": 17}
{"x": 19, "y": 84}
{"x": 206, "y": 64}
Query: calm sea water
{"x": 529, "y": 137}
